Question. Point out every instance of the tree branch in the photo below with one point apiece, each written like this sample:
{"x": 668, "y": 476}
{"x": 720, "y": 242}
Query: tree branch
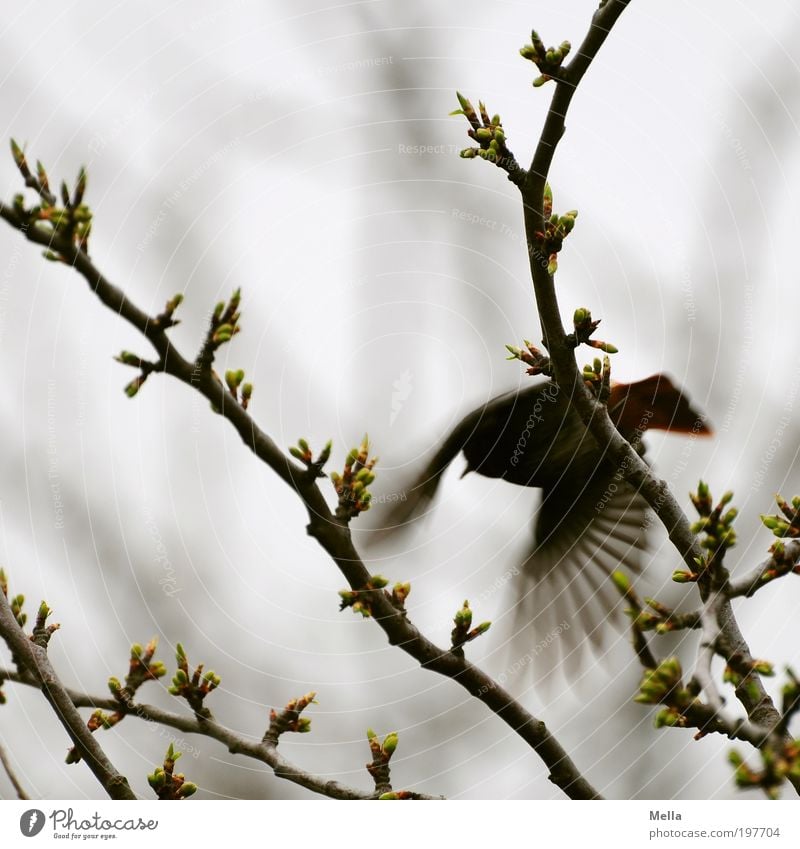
{"x": 333, "y": 535}
{"x": 36, "y": 662}
{"x": 12, "y": 776}
{"x": 756, "y": 701}
{"x": 264, "y": 751}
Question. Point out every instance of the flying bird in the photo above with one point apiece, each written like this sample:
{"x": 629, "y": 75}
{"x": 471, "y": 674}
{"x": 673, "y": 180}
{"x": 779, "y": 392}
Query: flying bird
{"x": 590, "y": 521}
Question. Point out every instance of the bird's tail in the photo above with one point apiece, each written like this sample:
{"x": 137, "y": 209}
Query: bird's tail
{"x": 411, "y": 501}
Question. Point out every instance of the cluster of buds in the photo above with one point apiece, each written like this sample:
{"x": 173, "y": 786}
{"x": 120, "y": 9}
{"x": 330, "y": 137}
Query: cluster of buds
{"x": 166, "y": 783}
{"x": 141, "y": 668}
{"x": 782, "y": 561}
{"x": 556, "y": 229}
{"x": 242, "y": 392}
{"x": 381, "y": 755}
{"x": 146, "y": 368}
{"x": 663, "y": 685}
{"x": 715, "y": 523}
{"x": 72, "y": 219}
{"x": 738, "y": 670}
{"x": 96, "y": 721}
{"x": 304, "y": 454}
{"x": 531, "y": 356}
{"x": 351, "y": 485}
{"x": 777, "y": 764}
{"x": 584, "y": 328}
{"x": 289, "y": 719}
{"x": 787, "y": 525}
{"x": 549, "y": 60}
{"x": 195, "y": 687}
{"x": 597, "y": 377}
{"x": 659, "y": 618}
{"x": 361, "y": 600}
{"x": 489, "y": 134}
{"x": 463, "y": 632}
{"x": 223, "y": 326}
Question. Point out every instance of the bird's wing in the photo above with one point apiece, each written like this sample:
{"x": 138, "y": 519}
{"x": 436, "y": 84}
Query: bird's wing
{"x": 584, "y": 530}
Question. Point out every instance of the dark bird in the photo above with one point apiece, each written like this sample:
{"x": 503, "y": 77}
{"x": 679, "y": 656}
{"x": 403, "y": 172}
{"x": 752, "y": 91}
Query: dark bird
{"x": 590, "y": 521}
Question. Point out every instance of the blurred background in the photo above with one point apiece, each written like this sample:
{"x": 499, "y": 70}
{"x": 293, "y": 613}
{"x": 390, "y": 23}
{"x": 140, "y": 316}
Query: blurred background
{"x": 306, "y": 155}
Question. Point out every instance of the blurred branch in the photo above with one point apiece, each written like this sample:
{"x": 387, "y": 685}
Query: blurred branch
{"x": 12, "y": 776}
{"x": 35, "y": 662}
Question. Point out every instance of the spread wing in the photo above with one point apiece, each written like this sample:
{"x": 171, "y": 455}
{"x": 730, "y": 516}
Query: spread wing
{"x": 585, "y": 529}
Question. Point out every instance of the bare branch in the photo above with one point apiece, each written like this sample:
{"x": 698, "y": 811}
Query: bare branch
{"x": 12, "y": 776}
{"x": 37, "y": 664}
{"x": 332, "y": 533}
{"x": 265, "y": 750}
{"x": 755, "y": 699}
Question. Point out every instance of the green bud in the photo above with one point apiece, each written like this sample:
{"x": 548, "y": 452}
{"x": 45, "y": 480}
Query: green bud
{"x": 465, "y": 104}
{"x": 621, "y": 581}
{"x": 158, "y": 779}
{"x": 390, "y": 743}
{"x": 378, "y": 582}
{"x": 469, "y": 153}
{"x": 187, "y": 789}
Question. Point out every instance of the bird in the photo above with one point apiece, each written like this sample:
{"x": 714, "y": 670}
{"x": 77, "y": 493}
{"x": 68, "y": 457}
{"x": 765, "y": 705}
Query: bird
{"x": 590, "y": 521}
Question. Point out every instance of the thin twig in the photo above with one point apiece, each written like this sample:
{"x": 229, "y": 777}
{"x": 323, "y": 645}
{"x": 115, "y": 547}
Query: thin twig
{"x": 12, "y": 776}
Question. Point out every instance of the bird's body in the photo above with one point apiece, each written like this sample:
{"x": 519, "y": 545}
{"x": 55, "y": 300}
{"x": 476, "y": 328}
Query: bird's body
{"x": 590, "y": 521}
